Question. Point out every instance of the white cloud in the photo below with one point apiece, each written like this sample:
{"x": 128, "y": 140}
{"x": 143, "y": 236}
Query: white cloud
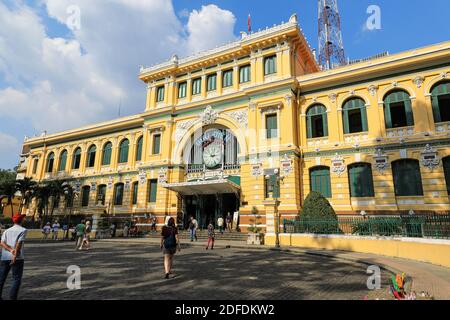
{"x": 9, "y": 149}
{"x": 56, "y": 83}
{"x": 209, "y": 27}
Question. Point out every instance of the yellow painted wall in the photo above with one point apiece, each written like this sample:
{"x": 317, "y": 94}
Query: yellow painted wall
{"x": 434, "y": 251}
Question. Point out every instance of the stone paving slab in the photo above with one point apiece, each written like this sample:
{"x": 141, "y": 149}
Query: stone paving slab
{"x": 134, "y": 270}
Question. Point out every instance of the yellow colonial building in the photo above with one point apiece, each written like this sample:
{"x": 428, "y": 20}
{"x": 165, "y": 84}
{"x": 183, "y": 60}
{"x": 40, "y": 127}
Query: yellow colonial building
{"x": 221, "y": 129}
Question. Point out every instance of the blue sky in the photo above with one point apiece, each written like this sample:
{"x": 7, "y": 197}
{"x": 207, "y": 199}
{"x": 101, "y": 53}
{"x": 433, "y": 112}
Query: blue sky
{"x": 53, "y": 78}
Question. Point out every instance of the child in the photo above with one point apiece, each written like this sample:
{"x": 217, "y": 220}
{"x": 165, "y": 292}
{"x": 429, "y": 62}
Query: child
{"x": 211, "y": 236}
{"x": 86, "y": 237}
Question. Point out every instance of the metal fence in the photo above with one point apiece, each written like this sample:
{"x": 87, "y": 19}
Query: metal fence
{"x": 420, "y": 226}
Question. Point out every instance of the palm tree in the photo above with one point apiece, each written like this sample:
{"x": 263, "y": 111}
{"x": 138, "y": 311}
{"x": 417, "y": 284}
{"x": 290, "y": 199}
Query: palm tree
{"x": 8, "y": 190}
{"x": 26, "y": 187}
{"x": 42, "y": 194}
{"x": 57, "y": 189}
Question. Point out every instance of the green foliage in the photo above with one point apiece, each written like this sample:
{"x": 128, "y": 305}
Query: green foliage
{"x": 377, "y": 226}
{"x": 255, "y": 221}
{"x": 103, "y": 224}
{"x": 317, "y": 216}
{"x": 7, "y": 175}
{"x": 6, "y": 222}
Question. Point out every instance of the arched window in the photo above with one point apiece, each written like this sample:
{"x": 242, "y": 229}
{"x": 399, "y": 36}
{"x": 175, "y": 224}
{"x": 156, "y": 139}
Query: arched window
{"x": 101, "y": 194}
{"x": 316, "y": 121}
{"x": 139, "y": 149}
{"x": 62, "y": 161}
{"x": 50, "y": 162}
{"x": 320, "y": 180}
{"x": 354, "y": 116}
{"x": 360, "y": 180}
{"x": 446, "y": 164}
{"x": 107, "y": 151}
{"x": 76, "y": 159}
{"x": 440, "y": 98}
{"x": 407, "y": 179}
{"x": 135, "y": 193}
{"x": 118, "y": 194}
{"x": 397, "y": 110}
{"x": 91, "y": 156}
{"x": 123, "y": 151}
{"x": 85, "y": 196}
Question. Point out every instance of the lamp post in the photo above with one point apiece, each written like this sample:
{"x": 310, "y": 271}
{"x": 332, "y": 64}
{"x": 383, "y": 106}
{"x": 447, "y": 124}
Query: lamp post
{"x": 275, "y": 182}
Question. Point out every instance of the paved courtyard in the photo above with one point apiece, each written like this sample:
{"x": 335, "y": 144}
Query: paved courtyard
{"x": 135, "y": 271}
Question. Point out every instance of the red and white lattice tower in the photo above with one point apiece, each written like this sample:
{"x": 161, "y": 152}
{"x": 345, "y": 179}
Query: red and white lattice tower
{"x": 331, "y": 47}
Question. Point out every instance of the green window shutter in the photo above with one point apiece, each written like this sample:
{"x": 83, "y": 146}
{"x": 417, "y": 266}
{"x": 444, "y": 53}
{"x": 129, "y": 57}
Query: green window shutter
{"x": 152, "y": 192}
{"x": 91, "y": 157}
{"x": 227, "y": 78}
{"x": 139, "y": 149}
{"x": 182, "y": 90}
{"x": 361, "y": 180}
{"x": 387, "y": 114}
{"x": 160, "y": 94}
{"x": 320, "y": 181}
{"x": 407, "y": 178}
{"x": 85, "y": 199}
{"x": 156, "y": 144}
{"x": 123, "y": 151}
{"x": 345, "y": 120}
{"x": 212, "y": 82}
{"x": 325, "y": 124}
{"x": 76, "y": 159}
{"x": 364, "y": 119}
{"x": 309, "y": 131}
{"x": 50, "y": 161}
{"x": 446, "y": 164}
{"x": 63, "y": 161}
{"x": 244, "y": 74}
{"x": 196, "y": 86}
{"x": 118, "y": 194}
{"x": 436, "y": 110}
{"x": 270, "y": 65}
{"x": 107, "y": 154}
{"x": 409, "y": 113}
{"x": 135, "y": 192}
{"x": 271, "y": 126}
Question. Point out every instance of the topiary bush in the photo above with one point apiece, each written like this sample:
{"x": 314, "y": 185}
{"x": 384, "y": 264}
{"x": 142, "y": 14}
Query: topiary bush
{"x": 317, "y": 216}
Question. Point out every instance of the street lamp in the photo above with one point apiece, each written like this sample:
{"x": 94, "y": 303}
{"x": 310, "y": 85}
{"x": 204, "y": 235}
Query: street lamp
{"x": 275, "y": 182}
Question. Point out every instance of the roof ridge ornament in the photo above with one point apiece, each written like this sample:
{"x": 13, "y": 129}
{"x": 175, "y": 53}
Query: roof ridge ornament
{"x": 293, "y": 18}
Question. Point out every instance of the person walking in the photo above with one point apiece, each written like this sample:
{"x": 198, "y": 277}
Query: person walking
{"x": 87, "y": 236}
{"x": 79, "y": 230}
{"x": 12, "y": 257}
{"x": 125, "y": 230}
{"x": 153, "y": 223}
{"x": 169, "y": 244}
{"x": 46, "y": 231}
{"x": 55, "y": 230}
{"x": 65, "y": 229}
{"x": 220, "y": 224}
{"x": 193, "y": 226}
{"x": 211, "y": 236}
{"x": 229, "y": 221}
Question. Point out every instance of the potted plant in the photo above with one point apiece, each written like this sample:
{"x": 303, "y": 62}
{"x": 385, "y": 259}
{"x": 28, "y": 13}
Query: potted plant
{"x": 255, "y": 236}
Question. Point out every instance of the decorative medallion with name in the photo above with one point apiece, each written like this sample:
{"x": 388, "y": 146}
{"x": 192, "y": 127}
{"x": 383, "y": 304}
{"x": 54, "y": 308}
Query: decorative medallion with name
{"x": 110, "y": 182}
{"x": 286, "y": 165}
{"x": 381, "y": 162}
{"x": 142, "y": 177}
{"x": 337, "y": 165}
{"x": 162, "y": 175}
{"x": 127, "y": 183}
{"x": 77, "y": 186}
{"x": 257, "y": 170}
{"x": 93, "y": 186}
{"x": 430, "y": 157}
{"x": 209, "y": 116}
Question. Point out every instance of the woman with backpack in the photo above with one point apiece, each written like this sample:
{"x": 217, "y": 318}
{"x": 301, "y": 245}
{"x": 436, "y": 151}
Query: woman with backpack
{"x": 170, "y": 243}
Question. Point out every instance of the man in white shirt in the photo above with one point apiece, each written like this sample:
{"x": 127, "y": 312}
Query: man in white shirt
{"x": 55, "y": 230}
{"x": 12, "y": 255}
{"x": 220, "y": 224}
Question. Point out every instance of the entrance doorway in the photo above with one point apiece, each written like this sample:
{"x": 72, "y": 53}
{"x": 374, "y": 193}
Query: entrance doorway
{"x": 208, "y": 208}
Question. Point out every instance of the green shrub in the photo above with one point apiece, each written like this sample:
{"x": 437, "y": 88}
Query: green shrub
{"x": 377, "y": 226}
{"x": 7, "y": 222}
{"x": 317, "y": 216}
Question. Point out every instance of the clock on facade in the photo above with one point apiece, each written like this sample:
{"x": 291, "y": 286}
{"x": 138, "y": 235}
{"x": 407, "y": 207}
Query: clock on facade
{"x": 212, "y": 156}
